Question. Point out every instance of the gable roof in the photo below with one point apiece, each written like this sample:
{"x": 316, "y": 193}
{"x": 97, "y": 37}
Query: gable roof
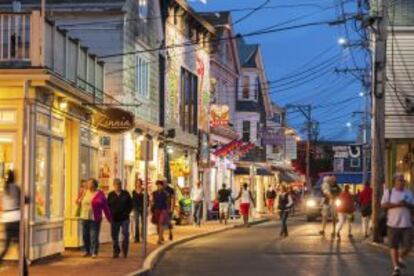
{"x": 247, "y": 52}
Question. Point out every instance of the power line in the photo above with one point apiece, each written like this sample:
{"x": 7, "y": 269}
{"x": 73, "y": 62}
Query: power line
{"x": 241, "y": 19}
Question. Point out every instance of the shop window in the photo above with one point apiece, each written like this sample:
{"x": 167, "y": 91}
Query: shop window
{"x": 6, "y": 156}
{"x": 403, "y": 162}
{"x": 58, "y": 125}
{"x": 246, "y": 87}
{"x": 188, "y": 103}
{"x": 56, "y": 178}
{"x": 42, "y": 120}
{"x": 41, "y": 177}
{"x": 246, "y": 131}
{"x": 142, "y": 77}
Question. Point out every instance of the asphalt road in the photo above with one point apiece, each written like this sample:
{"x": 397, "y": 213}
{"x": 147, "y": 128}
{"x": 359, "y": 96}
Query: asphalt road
{"x": 259, "y": 251}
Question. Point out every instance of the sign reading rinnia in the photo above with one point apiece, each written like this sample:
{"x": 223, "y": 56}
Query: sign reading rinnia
{"x": 114, "y": 120}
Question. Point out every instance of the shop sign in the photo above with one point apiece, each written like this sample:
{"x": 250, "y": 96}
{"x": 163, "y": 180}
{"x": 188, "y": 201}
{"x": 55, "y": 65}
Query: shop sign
{"x": 353, "y": 151}
{"x": 114, "y": 120}
{"x": 220, "y": 115}
{"x": 338, "y": 165}
{"x": 291, "y": 148}
{"x": 272, "y": 136}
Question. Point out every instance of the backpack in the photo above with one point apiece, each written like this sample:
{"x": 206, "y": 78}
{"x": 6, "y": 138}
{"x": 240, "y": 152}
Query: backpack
{"x": 283, "y": 202}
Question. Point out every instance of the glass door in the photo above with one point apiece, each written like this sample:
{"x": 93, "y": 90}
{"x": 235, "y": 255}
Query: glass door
{"x": 7, "y": 156}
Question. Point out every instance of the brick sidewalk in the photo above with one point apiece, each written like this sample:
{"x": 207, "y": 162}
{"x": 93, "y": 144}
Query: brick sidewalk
{"x": 71, "y": 262}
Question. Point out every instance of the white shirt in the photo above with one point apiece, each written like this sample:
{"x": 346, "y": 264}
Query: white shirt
{"x": 197, "y": 194}
{"x": 245, "y": 196}
{"x": 399, "y": 217}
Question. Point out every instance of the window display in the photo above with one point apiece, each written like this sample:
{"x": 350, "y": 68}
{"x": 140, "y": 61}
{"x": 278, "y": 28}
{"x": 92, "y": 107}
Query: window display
{"x": 57, "y": 179}
{"x": 41, "y": 178}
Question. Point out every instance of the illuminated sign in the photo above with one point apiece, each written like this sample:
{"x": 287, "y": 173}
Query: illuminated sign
{"x": 114, "y": 120}
{"x": 220, "y": 115}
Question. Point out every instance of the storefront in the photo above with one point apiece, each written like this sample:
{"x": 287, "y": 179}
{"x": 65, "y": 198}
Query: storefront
{"x": 401, "y": 160}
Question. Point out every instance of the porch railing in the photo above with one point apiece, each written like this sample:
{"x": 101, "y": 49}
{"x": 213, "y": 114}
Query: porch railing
{"x": 29, "y": 40}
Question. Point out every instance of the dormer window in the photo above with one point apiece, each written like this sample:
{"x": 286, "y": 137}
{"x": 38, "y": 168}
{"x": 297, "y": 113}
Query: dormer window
{"x": 143, "y": 9}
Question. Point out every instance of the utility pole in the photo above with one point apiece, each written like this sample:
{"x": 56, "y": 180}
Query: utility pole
{"x": 378, "y": 104}
{"x": 306, "y": 110}
{"x": 147, "y": 145}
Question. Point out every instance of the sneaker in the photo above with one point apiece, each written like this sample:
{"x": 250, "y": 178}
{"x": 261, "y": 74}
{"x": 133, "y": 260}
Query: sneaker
{"x": 94, "y": 256}
{"x": 396, "y": 272}
{"x": 171, "y": 236}
{"x": 322, "y": 233}
{"x": 86, "y": 254}
{"x": 160, "y": 242}
{"x": 401, "y": 264}
{"x": 338, "y": 236}
{"x": 350, "y": 236}
{"x": 115, "y": 256}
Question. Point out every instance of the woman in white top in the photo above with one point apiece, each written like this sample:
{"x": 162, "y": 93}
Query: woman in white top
{"x": 246, "y": 197}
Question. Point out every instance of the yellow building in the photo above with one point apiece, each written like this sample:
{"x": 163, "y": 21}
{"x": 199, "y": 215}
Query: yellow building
{"x": 51, "y": 92}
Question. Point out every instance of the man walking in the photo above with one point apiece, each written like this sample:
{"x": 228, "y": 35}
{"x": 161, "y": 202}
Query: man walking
{"x": 120, "y": 204}
{"x": 224, "y": 195}
{"x": 170, "y": 208}
{"x": 398, "y": 201}
{"x": 270, "y": 199}
{"x": 138, "y": 208}
{"x": 197, "y": 196}
{"x": 365, "y": 206}
{"x": 332, "y": 191}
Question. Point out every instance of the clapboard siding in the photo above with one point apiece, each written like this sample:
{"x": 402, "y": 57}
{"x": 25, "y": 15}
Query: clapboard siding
{"x": 400, "y": 74}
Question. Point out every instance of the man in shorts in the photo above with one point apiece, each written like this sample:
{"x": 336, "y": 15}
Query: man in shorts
{"x": 224, "y": 196}
{"x": 398, "y": 201}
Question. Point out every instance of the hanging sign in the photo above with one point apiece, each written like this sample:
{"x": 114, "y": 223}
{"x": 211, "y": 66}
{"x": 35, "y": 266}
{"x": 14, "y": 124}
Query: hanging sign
{"x": 114, "y": 120}
{"x": 219, "y": 115}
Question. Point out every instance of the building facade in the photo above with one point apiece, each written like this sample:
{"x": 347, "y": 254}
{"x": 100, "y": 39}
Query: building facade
{"x": 49, "y": 131}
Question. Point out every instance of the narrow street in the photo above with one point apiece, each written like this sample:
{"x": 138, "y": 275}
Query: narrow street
{"x": 259, "y": 251}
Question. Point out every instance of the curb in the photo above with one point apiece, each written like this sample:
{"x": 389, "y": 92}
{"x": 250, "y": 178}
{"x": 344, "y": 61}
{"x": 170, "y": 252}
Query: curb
{"x": 155, "y": 256}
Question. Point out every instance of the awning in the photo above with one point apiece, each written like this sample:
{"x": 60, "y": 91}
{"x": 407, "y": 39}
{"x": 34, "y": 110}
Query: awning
{"x": 246, "y": 171}
{"x": 288, "y": 176}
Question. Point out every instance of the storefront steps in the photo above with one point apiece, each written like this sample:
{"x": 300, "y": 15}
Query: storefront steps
{"x": 72, "y": 263}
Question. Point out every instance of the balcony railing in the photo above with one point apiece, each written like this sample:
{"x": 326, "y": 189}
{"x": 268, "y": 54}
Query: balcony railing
{"x": 28, "y": 40}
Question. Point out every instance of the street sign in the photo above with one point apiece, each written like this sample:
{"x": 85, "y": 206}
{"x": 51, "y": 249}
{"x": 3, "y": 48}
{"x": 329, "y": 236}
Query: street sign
{"x": 114, "y": 120}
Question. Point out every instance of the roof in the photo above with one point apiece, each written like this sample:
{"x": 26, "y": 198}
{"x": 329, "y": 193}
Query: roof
{"x": 216, "y": 18}
{"x": 247, "y": 52}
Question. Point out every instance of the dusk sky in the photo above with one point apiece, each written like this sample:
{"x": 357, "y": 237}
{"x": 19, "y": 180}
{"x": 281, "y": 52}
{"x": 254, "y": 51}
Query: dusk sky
{"x": 313, "y": 52}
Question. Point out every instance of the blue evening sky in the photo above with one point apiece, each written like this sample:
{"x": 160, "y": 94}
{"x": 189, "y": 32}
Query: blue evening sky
{"x": 335, "y": 95}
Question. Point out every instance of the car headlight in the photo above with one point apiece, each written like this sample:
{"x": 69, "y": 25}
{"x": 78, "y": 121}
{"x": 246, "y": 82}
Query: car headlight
{"x": 311, "y": 203}
{"x": 338, "y": 203}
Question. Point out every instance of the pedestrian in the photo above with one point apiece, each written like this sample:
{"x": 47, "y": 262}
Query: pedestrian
{"x": 92, "y": 205}
{"x": 285, "y": 202}
{"x": 120, "y": 204}
{"x": 197, "y": 196}
{"x": 138, "y": 209}
{"x": 398, "y": 201}
{"x": 365, "y": 206}
{"x": 345, "y": 209}
{"x": 270, "y": 199}
{"x": 334, "y": 190}
{"x": 223, "y": 196}
{"x": 245, "y": 197}
{"x": 170, "y": 208}
{"x": 159, "y": 209}
{"x": 326, "y": 206}
{"x": 10, "y": 215}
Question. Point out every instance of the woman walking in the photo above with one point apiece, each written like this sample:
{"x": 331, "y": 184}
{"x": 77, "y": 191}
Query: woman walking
{"x": 285, "y": 202}
{"x": 246, "y": 197}
{"x": 138, "y": 208}
{"x": 92, "y": 204}
{"x": 345, "y": 208}
{"x": 160, "y": 209}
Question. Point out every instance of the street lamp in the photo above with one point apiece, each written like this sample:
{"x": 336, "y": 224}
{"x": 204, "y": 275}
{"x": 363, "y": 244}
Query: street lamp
{"x": 342, "y": 41}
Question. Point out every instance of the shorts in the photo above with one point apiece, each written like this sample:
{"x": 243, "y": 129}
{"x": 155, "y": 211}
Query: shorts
{"x": 399, "y": 238}
{"x": 325, "y": 210}
{"x": 244, "y": 209}
{"x": 270, "y": 202}
{"x": 224, "y": 207}
{"x": 160, "y": 217}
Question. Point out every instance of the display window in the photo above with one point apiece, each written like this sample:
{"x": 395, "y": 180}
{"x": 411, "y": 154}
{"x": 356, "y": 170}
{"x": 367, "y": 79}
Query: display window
{"x": 7, "y": 153}
{"x": 402, "y": 160}
{"x": 49, "y": 166}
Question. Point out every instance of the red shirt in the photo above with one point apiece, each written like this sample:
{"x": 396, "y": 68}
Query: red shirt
{"x": 365, "y": 197}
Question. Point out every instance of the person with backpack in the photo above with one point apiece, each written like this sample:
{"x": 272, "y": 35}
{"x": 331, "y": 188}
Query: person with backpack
{"x": 345, "y": 209}
{"x": 270, "y": 199}
{"x": 285, "y": 202}
{"x": 365, "y": 206}
{"x": 398, "y": 202}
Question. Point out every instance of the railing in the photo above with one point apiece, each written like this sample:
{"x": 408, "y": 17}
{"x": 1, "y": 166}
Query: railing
{"x": 28, "y": 40}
